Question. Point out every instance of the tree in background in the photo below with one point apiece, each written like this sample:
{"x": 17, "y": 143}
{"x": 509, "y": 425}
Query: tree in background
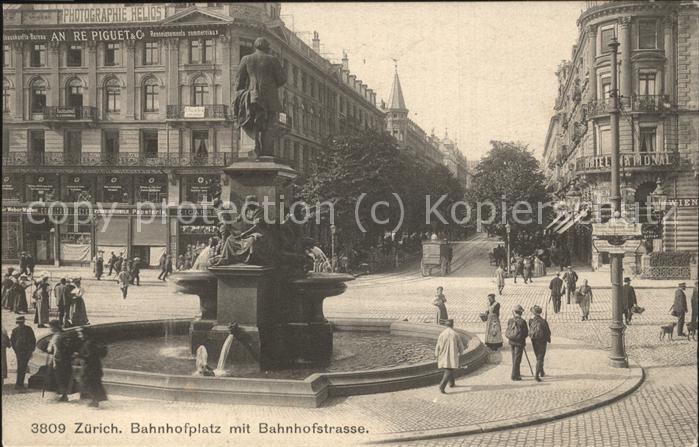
{"x": 509, "y": 173}
{"x": 371, "y": 163}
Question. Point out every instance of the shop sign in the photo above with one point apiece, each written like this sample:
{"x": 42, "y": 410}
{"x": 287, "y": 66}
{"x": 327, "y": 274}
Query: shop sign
{"x": 650, "y": 231}
{"x": 79, "y": 14}
{"x": 198, "y": 229}
{"x": 66, "y": 112}
{"x": 194, "y": 112}
{"x": 40, "y": 185}
{"x": 110, "y": 35}
{"x": 187, "y": 212}
{"x": 629, "y": 161}
{"x": 684, "y": 202}
{"x": 151, "y": 185}
{"x": 168, "y": 34}
{"x": 112, "y": 185}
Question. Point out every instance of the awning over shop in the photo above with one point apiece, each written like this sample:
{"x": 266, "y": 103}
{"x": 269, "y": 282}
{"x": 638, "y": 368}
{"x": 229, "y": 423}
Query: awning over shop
{"x": 556, "y": 220}
{"x": 571, "y": 222}
{"x": 566, "y": 217}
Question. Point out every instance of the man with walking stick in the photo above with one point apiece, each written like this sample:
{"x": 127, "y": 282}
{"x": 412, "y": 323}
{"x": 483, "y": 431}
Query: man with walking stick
{"x": 540, "y": 333}
{"x": 517, "y": 333}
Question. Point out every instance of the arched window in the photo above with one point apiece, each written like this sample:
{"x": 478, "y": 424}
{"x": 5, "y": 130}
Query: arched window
{"x": 74, "y": 93}
{"x": 5, "y": 95}
{"x": 112, "y": 94}
{"x": 200, "y": 91}
{"x": 37, "y": 94}
{"x": 150, "y": 95}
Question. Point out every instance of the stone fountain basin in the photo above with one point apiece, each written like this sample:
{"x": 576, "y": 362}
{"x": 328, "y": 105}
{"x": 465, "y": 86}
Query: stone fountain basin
{"x": 309, "y": 392}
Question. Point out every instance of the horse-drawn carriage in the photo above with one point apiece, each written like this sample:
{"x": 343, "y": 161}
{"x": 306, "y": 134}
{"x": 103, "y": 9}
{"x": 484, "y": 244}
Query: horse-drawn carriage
{"x": 436, "y": 254}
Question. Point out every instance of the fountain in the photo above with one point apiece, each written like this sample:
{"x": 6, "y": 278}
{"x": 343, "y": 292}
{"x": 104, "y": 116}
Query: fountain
{"x": 262, "y": 317}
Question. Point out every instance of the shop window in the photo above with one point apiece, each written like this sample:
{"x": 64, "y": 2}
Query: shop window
{"x": 74, "y": 56}
{"x": 37, "y": 146}
{"x": 246, "y": 47}
{"x": 116, "y": 189}
{"x": 12, "y": 189}
{"x": 38, "y": 96}
{"x": 647, "y": 139}
{"x": 151, "y": 189}
{"x": 150, "y": 95}
{"x": 37, "y": 56}
{"x": 151, "y": 53}
{"x": 112, "y": 54}
{"x": 75, "y": 233}
{"x": 647, "y": 34}
{"x": 149, "y": 143}
{"x": 112, "y": 95}
{"x": 110, "y": 145}
{"x": 72, "y": 146}
{"x": 200, "y": 143}
{"x": 74, "y": 93}
{"x": 200, "y": 92}
{"x": 5, "y": 95}
{"x": 6, "y": 55}
{"x": 646, "y": 83}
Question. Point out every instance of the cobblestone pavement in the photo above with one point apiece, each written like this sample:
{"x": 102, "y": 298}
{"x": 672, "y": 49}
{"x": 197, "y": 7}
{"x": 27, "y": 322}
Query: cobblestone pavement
{"x": 662, "y": 412}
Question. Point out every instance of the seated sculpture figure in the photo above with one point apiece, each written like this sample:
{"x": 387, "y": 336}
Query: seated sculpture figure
{"x": 250, "y": 239}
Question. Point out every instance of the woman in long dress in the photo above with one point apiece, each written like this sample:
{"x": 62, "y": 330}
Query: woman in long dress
{"x": 493, "y": 331}
{"x": 584, "y": 298}
{"x": 91, "y": 353}
{"x": 539, "y": 267}
{"x": 41, "y": 314}
{"x": 440, "y": 302}
{"x": 78, "y": 311}
{"x": 21, "y": 304}
{"x": 500, "y": 278}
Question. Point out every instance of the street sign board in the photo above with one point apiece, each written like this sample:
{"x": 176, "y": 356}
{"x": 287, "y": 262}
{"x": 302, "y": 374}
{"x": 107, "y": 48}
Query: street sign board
{"x": 617, "y": 227}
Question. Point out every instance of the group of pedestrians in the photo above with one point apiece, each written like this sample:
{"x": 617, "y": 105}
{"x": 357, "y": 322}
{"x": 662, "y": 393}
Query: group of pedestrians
{"x": 63, "y": 350}
{"x": 567, "y": 286}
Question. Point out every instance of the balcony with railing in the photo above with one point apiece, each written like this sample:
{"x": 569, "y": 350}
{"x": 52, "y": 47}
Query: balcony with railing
{"x": 629, "y": 162}
{"x": 651, "y": 103}
{"x": 123, "y": 159}
{"x": 71, "y": 114}
{"x": 212, "y": 112}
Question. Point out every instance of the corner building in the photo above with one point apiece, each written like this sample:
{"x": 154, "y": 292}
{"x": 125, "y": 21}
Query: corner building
{"x": 120, "y": 104}
{"x": 658, "y": 86}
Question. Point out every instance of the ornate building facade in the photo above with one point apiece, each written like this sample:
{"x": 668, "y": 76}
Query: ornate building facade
{"x": 119, "y": 104}
{"x": 658, "y": 130}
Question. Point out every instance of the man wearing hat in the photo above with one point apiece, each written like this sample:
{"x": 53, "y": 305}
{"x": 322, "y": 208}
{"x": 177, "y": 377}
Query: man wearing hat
{"x": 23, "y": 343}
{"x": 629, "y": 296}
{"x": 450, "y": 346}
{"x": 540, "y": 333}
{"x": 556, "y": 285}
{"x": 6, "y": 287}
{"x": 59, "y": 295}
{"x": 679, "y": 308}
{"x": 517, "y": 333}
{"x": 570, "y": 278}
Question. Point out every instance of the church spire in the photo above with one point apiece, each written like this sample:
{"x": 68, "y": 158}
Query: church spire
{"x": 396, "y": 101}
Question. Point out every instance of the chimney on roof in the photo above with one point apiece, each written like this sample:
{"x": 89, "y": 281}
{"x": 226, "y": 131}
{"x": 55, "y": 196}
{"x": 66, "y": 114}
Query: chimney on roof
{"x": 345, "y": 61}
{"x": 316, "y": 42}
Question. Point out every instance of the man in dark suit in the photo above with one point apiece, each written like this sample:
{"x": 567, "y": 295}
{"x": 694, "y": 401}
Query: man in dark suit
{"x": 556, "y": 285}
{"x": 257, "y": 104}
{"x": 540, "y": 333}
{"x": 629, "y": 296}
{"x": 679, "y": 308}
{"x": 570, "y": 278}
{"x": 23, "y": 343}
{"x": 517, "y": 335}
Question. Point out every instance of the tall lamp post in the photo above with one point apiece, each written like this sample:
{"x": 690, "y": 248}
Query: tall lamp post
{"x": 508, "y": 228}
{"x": 617, "y": 356}
{"x": 333, "y": 229}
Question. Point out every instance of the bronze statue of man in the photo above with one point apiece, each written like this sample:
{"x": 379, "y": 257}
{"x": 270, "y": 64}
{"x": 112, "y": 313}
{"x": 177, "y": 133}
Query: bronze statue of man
{"x": 257, "y": 103}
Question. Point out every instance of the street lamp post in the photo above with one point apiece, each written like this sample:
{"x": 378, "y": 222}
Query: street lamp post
{"x": 617, "y": 356}
{"x": 508, "y": 228}
{"x": 333, "y": 229}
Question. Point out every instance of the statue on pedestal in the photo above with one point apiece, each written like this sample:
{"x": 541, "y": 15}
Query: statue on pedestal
{"x": 257, "y": 105}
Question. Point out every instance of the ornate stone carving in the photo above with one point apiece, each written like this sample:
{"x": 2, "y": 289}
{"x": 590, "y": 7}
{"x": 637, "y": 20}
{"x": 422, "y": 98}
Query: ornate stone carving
{"x": 625, "y": 21}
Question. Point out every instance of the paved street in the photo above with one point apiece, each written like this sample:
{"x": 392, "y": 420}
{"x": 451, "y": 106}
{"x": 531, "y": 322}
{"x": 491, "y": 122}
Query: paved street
{"x": 665, "y": 405}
